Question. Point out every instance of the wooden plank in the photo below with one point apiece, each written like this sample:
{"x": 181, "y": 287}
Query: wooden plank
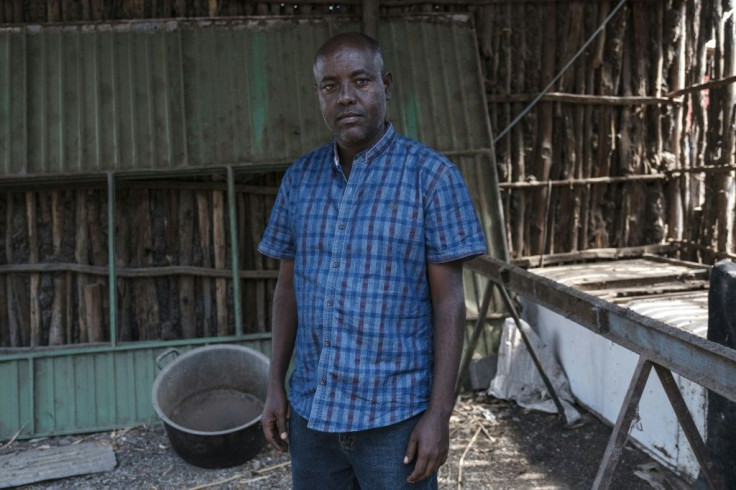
{"x": 219, "y": 237}
{"x": 623, "y": 425}
{"x": 688, "y": 426}
{"x": 186, "y": 284}
{"x": 205, "y": 235}
{"x": 35, "y": 319}
{"x": 81, "y": 256}
{"x": 93, "y": 312}
{"x": 58, "y": 462}
{"x": 56, "y": 331}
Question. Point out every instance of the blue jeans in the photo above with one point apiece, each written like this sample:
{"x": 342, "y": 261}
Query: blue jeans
{"x": 369, "y": 459}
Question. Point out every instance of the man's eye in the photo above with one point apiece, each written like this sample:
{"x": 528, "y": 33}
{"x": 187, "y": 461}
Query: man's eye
{"x": 328, "y": 88}
{"x": 361, "y": 82}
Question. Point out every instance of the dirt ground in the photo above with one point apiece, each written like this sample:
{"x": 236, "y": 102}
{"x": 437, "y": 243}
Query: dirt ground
{"x": 494, "y": 445}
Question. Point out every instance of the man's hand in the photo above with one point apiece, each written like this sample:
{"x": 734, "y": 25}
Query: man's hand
{"x": 274, "y": 418}
{"x": 283, "y": 334}
{"x": 430, "y": 443}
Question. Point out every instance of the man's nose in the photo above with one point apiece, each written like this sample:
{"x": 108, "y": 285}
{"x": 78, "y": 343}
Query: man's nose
{"x": 346, "y": 94}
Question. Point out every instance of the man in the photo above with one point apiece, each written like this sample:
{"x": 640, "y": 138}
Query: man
{"x": 370, "y": 230}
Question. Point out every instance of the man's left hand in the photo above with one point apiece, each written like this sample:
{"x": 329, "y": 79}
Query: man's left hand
{"x": 429, "y": 443}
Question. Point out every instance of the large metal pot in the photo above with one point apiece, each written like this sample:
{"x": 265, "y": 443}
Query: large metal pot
{"x": 210, "y": 400}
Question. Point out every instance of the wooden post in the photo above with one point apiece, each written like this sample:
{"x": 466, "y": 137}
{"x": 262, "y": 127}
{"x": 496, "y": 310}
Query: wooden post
{"x": 81, "y": 255}
{"x": 205, "y": 236}
{"x": 257, "y": 225}
{"x": 518, "y": 156}
{"x": 186, "y": 283}
{"x": 53, "y": 12}
{"x": 125, "y": 286}
{"x": 623, "y": 424}
{"x": 56, "y": 329}
{"x": 543, "y": 152}
{"x": 370, "y": 18}
{"x": 93, "y": 300}
{"x": 146, "y": 299}
{"x": 14, "y": 333}
{"x": 219, "y": 237}
{"x": 35, "y": 318}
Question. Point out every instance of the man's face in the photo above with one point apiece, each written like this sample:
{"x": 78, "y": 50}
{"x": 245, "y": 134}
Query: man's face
{"x": 352, "y": 95}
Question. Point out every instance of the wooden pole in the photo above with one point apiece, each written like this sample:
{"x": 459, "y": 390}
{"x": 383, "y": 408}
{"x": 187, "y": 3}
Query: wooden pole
{"x": 370, "y": 18}
{"x": 12, "y": 282}
{"x": 544, "y": 150}
{"x": 58, "y": 306}
{"x": 146, "y": 300}
{"x": 220, "y": 248}
{"x": 186, "y": 283}
{"x": 35, "y": 318}
{"x": 205, "y": 237}
{"x": 518, "y": 155}
{"x": 257, "y": 226}
{"x": 81, "y": 255}
{"x": 94, "y": 312}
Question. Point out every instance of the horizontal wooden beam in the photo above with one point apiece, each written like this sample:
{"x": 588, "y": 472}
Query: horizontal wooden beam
{"x": 136, "y": 272}
{"x": 589, "y": 99}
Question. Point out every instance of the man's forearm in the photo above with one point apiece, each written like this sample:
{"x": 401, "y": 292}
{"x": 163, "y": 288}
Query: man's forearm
{"x": 448, "y": 306}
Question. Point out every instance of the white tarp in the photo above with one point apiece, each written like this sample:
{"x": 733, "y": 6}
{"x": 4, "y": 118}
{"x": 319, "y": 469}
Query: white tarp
{"x": 517, "y": 377}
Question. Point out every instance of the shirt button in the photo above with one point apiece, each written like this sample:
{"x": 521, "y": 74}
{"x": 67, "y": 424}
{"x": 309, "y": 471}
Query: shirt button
{"x": 341, "y": 226}
{"x": 336, "y": 264}
{"x": 329, "y": 303}
{"x": 322, "y": 382}
{"x": 327, "y": 343}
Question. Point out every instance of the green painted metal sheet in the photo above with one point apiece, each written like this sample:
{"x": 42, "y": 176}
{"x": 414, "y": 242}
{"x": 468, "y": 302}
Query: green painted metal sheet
{"x": 83, "y": 391}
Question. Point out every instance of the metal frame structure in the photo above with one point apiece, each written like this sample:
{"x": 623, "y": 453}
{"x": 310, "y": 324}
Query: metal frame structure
{"x": 660, "y": 346}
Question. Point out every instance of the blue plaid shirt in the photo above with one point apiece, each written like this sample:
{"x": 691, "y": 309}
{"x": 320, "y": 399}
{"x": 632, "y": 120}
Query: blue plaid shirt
{"x": 364, "y": 354}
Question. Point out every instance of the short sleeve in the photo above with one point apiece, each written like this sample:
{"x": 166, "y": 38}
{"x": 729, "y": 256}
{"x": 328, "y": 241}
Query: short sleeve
{"x": 452, "y": 228}
{"x": 278, "y": 239}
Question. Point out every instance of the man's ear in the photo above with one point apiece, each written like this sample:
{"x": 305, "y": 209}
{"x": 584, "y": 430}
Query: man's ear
{"x": 388, "y": 81}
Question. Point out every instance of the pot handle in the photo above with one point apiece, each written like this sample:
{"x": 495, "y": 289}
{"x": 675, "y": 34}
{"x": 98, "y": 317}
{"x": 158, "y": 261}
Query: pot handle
{"x": 165, "y": 354}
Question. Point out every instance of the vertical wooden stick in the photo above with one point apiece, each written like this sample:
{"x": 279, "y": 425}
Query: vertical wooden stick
{"x": 58, "y": 313}
{"x": 93, "y": 300}
{"x": 14, "y": 283}
{"x": 205, "y": 235}
{"x": 35, "y": 318}
{"x": 81, "y": 255}
{"x": 186, "y": 283}
{"x": 218, "y": 229}
{"x": 257, "y": 225}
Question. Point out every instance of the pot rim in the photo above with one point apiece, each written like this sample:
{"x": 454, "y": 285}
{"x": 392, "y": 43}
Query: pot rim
{"x": 194, "y": 353}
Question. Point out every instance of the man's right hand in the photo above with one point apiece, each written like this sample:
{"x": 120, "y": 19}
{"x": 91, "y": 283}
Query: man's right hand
{"x": 274, "y": 419}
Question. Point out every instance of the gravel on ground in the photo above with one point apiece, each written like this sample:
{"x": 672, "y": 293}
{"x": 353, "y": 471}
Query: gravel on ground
{"x": 494, "y": 445}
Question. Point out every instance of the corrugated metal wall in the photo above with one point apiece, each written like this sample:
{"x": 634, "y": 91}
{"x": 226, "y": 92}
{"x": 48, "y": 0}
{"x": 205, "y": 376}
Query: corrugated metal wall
{"x": 177, "y": 97}
{"x": 88, "y": 391}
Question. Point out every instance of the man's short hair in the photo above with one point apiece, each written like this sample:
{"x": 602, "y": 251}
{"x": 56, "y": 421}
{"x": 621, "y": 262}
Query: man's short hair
{"x": 368, "y": 41}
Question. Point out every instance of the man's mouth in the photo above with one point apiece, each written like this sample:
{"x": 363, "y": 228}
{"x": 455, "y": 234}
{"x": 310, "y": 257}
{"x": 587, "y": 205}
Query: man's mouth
{"x": 348, "y": 117}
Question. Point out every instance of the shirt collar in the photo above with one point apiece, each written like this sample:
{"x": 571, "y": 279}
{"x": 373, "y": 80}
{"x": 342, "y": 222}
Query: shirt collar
{"x": 374, "y": 151}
